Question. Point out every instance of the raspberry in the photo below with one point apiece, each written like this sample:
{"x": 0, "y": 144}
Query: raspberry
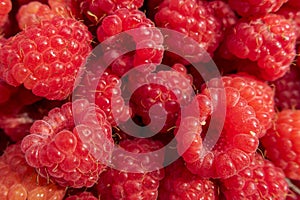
{"x": 257, "y": 94}
{"x": 82, "y": 196}
{"x": 167, "y": 90}
{"x": 255, "y": 8}
{"x": 96, "y": 10}
{"x": 194, "y": 19}
{"x": 287, "y": 95}
{"x": 268, "y": 41}
{"x": 148, "y": 46}
{"x": 179, "y": 183}
{"x": 107, "y": 95}
{"x": 281, "y": 143}
{"x": 114, "y": 184}
{"x": 292, "y": 13}
{"x": 249, "y": 113}
{"x": 70, "y": 154}
{"x": 46, "y": 58}
{"x": 33, "y": 13}
{"x": 223, "y": 12}
{"x": 20, "y": 181}
{"x": 5, "y": 8}
{"x": 261, "y": 180}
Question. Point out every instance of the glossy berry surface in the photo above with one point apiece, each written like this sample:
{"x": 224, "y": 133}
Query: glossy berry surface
{"x": 20, "y": 181}
{"x": 59, "y": 145}
{"x": 284, "y": 136}
{"x": 261, "y": 180}
{"x": 137, "y": 179}
{"x": 267, "y": 40}
{"x": 46, "y": 58}
{"x": 148, "y": 49}
{"x": 180, "y": 183}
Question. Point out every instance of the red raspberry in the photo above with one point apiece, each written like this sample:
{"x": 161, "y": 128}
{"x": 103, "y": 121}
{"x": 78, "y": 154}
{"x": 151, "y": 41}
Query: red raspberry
{"x": 269, "y": 41}
{"x": 148, "y": 46}
{"x": 258, "y": 95}
{"x": 33, "y": 13}
{"x": 255, "y": 8}
{"x": 281, "y": 143}
{"x": 194, "y": 19}
{"x": 224, "y": 13}
{"x": 249, "y": 113}
{"x": 292, "y": 13}
{"x": 287, "y": 90}
{"x": 96, "y": 10}
{"x": 180, "y": 183}
{"x": 62, "y": 7}
{"x": 261, "y": 180}
{"x": 20, "y": 181}
{"x": 5, "y": 8}
{"x": 70, "y": 154}
{"x": 82, "y": 196}
{"x": 107, "y": 95}
{"x": 168, "y": 90}
{"x": 125, "y": 185}
{"x": 46, "y": 58}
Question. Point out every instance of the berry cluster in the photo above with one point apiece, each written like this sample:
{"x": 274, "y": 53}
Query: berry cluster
{"x": 155, "y": 99}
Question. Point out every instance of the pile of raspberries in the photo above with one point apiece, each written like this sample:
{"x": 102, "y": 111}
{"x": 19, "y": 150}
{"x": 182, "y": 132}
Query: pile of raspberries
{"x": 119, "y": 99}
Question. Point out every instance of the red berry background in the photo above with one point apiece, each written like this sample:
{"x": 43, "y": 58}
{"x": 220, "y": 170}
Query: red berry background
{"x": 99, "y": 101}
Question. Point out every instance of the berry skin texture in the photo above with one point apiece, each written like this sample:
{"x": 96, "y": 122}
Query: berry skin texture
{"x": 146, "y": 38}
{"x": 179, "y": 183}
{"x": 194, "y": 19}
{"x": 46, "y": 58}
{"x": 5, "y": 8}
{"x": 269, "y": 41}
{"x": 115, "y": 184}
{"x": 33, "y": 13}
{"x": 292, "y": 13}
{"x": 251, "y": 8}
{"x": 20, "y": 181}
{"x": 107, "y": 95}
{"x": 287, "y": 90}
{"x": 261, "y": 180}
{"x": 281, "y": 143}
{"x": 96, "y": 10}
{"x": 65, "y": 152}
{"x": 168, "y": 90}
{"x": 249, "y": 113}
